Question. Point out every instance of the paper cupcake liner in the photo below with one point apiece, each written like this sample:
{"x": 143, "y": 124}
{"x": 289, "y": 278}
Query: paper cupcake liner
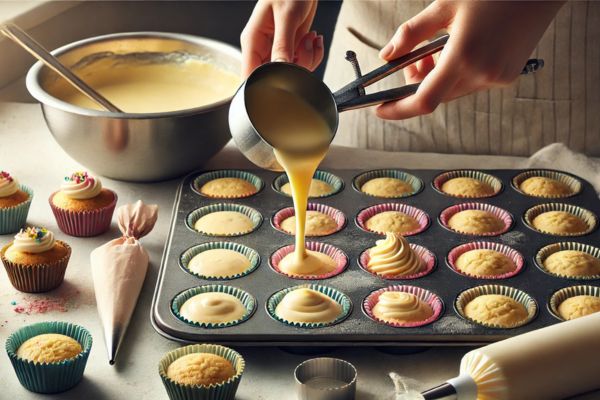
{"x": 246, "y": 251}
{"x": 498, "y": 212}
{"x": 206, "y": 177}
{"x": 565, "y": 293}
{"x": 416, "y": 183}
{"x": 12, "y": 219}
{"x": 547, "y": 251}
{"x": 518, "y": 295}
{"x": 428, "y": 258}
{"x": 246, "y": 298}
{"x": 49, "y": 377}
{"x": 434, "y": 301}
{"x": 491, "y": 180}
{"x": 587, "y": 216}
{"x": 509, "y": 252}
{"x": 418, "y": 214}
{"x": 569, "y": 180}
{"x": 37, "y": 277}
{"x": 336, "y": 183}
{"x": 84, "y": 223}
{"x": 336, "y": 254}
{"x": 288, "y": 212}
{"x": 250, "y": 212}
{"x": 334, "y": 294}
{"x": 325, "y": 367}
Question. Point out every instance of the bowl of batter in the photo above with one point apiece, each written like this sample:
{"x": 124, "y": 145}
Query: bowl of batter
{"x": 174, "y": 91}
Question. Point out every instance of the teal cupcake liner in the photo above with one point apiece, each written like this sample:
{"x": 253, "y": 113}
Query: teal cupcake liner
{"x": 565, "y": 293}
{"x": 12, "y": 219}
{"x": 199, "y": 181}
{"x": 550, "y": 249}
{"x": 246, "y": 298}
{"x": 250, "y": 212}
{"x": 246, "y": 251}
{"x": 491, "y": 180}
{"x": 220, "y": 391}
{"x": 416, "y": 183}
{"x": 334, "y": 294}
{"x": 573, "y": 183}
{"x": 49, "y": 377}
{"x": 336, "y": 183}
{"x": 586, "y": 215}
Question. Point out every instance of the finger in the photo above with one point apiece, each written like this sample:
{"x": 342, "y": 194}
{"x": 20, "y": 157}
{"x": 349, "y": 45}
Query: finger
{"x": 305, "y": 50}
{"x": 254, "y": 41}
{"x": 284, "y": 38}
{"x": 319, "y": 53}
{"x": 418, "y": 71}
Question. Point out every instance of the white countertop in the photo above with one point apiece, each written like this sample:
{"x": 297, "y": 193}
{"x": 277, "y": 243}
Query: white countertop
{"x": 29, "y": 153}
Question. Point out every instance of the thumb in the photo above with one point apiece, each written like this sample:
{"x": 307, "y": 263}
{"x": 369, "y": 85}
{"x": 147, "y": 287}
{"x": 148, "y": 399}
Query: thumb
{"x": 284, "y": 39}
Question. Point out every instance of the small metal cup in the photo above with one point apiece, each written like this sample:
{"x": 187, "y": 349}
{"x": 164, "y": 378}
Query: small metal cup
{"x": 318, "y": 378}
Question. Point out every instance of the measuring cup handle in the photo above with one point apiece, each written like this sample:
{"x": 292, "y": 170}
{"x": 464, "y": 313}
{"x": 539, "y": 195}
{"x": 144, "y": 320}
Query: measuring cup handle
{"x": 379, "y": 97}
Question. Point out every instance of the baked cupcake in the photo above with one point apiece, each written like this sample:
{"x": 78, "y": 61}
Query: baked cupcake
{"x": 227, "y": 184}
{"x": 484, "y": 263}
{"x": 394, "y": 257}
{"x": 35, "y": 261}
{"x": 559, "y": 223}
{"x": 467, "y": 187}
{"x": 392, "y": 221}
{"x": 387, "y": 187}
{"x": 475, "y": 222}
{"x": 224, "y": 220}
{"x": 578, "y": 306}
{"x": 540, "y": 186}
{"x": 15, "y": 200}
{"x": 317, "y": 224}
{"x": 572, "y": 264}
{"x": 318, "y": 188}
{"x": 82, "y": 207}
{"x": 496, "y": 309}
{"x": 323, "y": 184}
{"x": 49, "y": 348}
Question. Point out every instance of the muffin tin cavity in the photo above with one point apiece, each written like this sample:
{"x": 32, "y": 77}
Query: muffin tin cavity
{"x": 337, "y": 255}
{"x": 588, "y": 218}
{"x": 427, "y": 258}
{"x": 332, "y": 180}
{"x": 504, "y": 217}
{"x": 489, "y": 181}
{"x": 288, "y": 212}
{"x": 546, "y": 251}
{"x": 513, "y": 255}
{"x": 568, "y": 180}
{"x": 207, "y": 177}
{"x": 569, "y": 292}
{"x": 254, "y": 216}
{"x": 251, "y": 254}
{"x": 419, "y": 216}
{"x": 413, "y": 182}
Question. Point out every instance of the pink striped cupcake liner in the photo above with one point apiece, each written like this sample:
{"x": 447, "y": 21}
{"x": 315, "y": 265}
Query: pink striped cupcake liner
{"x": 509, "y": 252}
{"x": 428, "y": 258}
{"x": 84, "y": 223}
{"x": 288, "y": 212}
{"x": 491, "y": 180}
{"x": 434, "y": 301}
{"x": 335, "y": 253}
{"x": 498, "y": 212}
{"x": 419, "y": 215}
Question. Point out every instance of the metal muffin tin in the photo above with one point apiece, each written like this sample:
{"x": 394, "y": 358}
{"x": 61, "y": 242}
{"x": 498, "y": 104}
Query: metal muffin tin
{"x": 358, "y": 328}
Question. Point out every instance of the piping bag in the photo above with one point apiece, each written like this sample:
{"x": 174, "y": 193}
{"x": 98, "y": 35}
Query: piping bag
{"x": 118, "y": 271}
{"x": 556, "y": 362}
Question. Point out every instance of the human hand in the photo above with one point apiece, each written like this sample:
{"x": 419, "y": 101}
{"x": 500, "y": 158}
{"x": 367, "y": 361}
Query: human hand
{"x": 489, "y": 44}
{"x": 278, "y": 30}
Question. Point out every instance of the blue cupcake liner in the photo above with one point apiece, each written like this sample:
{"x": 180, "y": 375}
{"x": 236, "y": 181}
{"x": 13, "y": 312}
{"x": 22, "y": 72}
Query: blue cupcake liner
{"x": 206, "y": 177}
{"x": 334, "y": 181}
{"x": 586, "y": 215}
{"x": 250, "y": 212}
{"x": 12, "y": 219}
{"x": 565, "y": 293}
{"x": 416, "y": 183}
{"x": 49, "y": 377}
{"x": 550, "y": 249}
{"x": 573, "y": 183}
{"x": 246, "y": 298}
{"x": 246, "y": 251}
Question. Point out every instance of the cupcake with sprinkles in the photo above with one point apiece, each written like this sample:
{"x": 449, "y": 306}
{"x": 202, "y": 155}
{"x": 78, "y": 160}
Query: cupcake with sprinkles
{"x": 15, "y": 200}
{"x": 82, "y": 207}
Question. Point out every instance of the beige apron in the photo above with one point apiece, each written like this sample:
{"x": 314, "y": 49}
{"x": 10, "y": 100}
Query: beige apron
{"x": 560, "y": 103}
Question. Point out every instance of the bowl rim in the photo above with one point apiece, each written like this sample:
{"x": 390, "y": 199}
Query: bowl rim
{"x": 41, "y": 95}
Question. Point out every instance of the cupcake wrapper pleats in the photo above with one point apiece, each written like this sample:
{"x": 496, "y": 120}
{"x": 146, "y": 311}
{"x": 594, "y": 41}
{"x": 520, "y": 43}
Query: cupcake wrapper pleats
{"x": 84, "y": 223}
{"x": 12, "y": 219}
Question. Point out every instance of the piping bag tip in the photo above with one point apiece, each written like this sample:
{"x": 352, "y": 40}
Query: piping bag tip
{"x": 439, "y": 392}
{"x": 111, "y": 362}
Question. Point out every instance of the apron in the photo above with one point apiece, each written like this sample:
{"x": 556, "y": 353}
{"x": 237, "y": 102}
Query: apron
{"x": 560, "y": 103}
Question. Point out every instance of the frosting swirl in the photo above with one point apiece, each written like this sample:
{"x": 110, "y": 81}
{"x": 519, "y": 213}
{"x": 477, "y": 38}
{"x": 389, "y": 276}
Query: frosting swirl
{"x": 8, "y": 185}
{"x": 401, "y": 306}
{"x": 81, "y": 186}
{"x": 308, "y": 305}
{"x": 393, "y": 257}
{"x": 33, "y": 240}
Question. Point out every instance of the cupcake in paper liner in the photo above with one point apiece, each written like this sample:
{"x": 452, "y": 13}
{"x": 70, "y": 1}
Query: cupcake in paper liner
{"x": 394, "y": 259}
{"x": 220, "y": 260}
{"x": 575, "y": 302}
{"x": 485, "y": 260}
{"x": 82, "y": 207}
{"x": 570, "y": 260}
{"x": 309, "y": 306}
{"x": 15, "y": 200}
{"x": 324, "y": 184}
{"x": 388, "y": 183}
{"x": 561, "y": 219}
{"x": 227, "y": 184}
{"x": 224, "y": 219}
{"x": 403, "y": 306}
{"x": 35, "y": 261}
{"x": 321, "y": 262}
{"x": 321, "y": 220}
{"x": 496, "y": 306}
{"x": 467, "y": 184}
{"x": 476, "y": 219}
{"x": 213, "y": 306}
{"x": 38, "y": 367}
{"x": 546, "y": 183}
{"x": 201, "y": 372}
{"x": 398, "y": 218}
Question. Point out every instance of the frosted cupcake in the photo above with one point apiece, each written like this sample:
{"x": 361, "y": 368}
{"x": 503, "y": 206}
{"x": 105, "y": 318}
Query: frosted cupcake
{"x": 15, "y": 200}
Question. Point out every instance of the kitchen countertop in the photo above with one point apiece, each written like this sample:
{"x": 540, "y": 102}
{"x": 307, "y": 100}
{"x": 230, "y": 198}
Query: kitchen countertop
{"x": 30, "y": 154}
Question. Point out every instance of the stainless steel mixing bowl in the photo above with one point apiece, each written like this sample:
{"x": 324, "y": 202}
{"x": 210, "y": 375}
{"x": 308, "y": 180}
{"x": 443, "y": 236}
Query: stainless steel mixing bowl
{"x": 136, "y": 147}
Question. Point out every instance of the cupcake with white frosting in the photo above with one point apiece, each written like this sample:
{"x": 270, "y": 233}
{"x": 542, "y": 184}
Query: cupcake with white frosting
{"x": 82, "y": 207}
{"x": 15, "y": 200}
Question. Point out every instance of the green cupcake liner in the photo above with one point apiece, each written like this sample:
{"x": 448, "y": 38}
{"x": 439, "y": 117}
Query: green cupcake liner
{"x": 246, "y": 298}
{"x": 416, "y": 183}
{"x": 49, "y": 377}
{"x": 250, "y": 212}
{"x": 573, "y": 183}
{"x": 221, "y": 391}
{"x": 550, "y": 249}
{"x": 12, "y": 219}
{"x": 246, "y": 251}
{"x": 334, "y": 181}
{"x": 586, "y": 215}
{"x": 334, "y": 294}
{"x": 565, "y": 293}
{"x": 206, "y": 177}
